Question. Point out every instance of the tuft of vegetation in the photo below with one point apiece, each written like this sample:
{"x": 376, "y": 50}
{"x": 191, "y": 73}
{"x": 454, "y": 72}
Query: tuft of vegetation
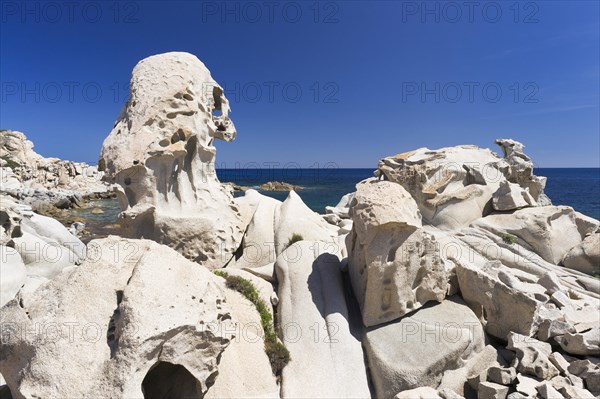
{"x": 293, "y": 239}
{"x": 509, "y": 238}
{"x": 221, "y": 273}
{"x": 596, "y": 275}
{"x": 277, "y": 353}
{"x": 10, "y": 163}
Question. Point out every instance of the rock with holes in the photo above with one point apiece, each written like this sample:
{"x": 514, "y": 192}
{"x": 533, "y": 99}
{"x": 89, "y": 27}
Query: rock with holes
{"x": 161, "y": 154}
{"x": 10, "y": 220}
{"x": 417, "y": 350}
{"x": 317, "y": 326}
{"x": 533, "y": 356}
{"x": 244, "y": 369}
{"x": 582, "y": 343}
{"x": 394, "y": 265}
{"x": 454, "y": 186}
{"x": 135, "y": 317}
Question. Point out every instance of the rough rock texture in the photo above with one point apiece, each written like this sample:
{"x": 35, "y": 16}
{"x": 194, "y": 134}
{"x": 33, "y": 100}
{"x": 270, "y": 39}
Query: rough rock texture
{"x": 161, "y": 154}
{"x": 490, "y": 390}
{"x": 503, "y": 309}
{"x": 521, "y": 170}
{"x": 581, "y": 343}
{"x": 40, "y": 181}
{"x": 244, "y": 369}
{"x": 475, "y": 369}
{"x": 585, "y": 256}
{"x": 511, "y": 196}
{"x": 151, "y": 321}
{"x": 279, "y": 186}
{"x": 549, "y": 231}
{"x": 326, "y": 355}
{"x": 454, "y": 186}
{"x": 394, "y": 265}
{"x": 532, "y": 356}
{"x": 416, "y": 350}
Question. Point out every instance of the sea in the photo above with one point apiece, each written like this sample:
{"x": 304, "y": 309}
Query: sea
{"x": 575, "y": 187}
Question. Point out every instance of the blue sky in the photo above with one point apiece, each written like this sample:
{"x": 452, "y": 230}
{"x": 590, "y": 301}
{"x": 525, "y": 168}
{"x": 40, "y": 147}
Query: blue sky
{"x": 313, "y": 83}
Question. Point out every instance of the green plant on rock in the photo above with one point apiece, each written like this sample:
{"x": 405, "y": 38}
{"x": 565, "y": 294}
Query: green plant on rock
{"x": 10, "y": 163}
{"x": 294, "y": 238}
{"x": 277, "y": 353}
{"x": 221, "y": 273}
{"x": 509, "y": 238}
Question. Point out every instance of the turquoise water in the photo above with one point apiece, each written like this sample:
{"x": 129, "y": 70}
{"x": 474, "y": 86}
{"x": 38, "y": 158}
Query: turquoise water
{"x": 579, "y": 188}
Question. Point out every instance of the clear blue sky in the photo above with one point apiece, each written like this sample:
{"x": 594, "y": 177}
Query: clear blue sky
{"x": 376, "y": 77}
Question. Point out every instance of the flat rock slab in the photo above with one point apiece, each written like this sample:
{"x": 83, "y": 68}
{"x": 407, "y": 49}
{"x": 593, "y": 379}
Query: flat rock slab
{"x": 416, "y": 350}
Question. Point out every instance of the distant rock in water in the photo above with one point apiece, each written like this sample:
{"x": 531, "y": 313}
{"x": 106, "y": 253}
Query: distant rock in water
{"x": 279, "y": 186}
{"x": 161, "y": 155}
{"x": 234, "y": 187}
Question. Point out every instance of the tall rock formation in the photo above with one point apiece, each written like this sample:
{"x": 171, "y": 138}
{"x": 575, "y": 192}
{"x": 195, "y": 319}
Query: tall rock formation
{"x": 161, "y": 155}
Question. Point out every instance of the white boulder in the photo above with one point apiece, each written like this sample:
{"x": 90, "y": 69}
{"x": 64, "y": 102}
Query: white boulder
{"x": 585, "y": 256}
{"x": 394, "y": 265}
{"x": 511, "y": 196}
{"x": 134, "y": 317}
{"x": 417, "y": 350}
{"x": 549, "y": 231}
{"x": 326, "y": 354}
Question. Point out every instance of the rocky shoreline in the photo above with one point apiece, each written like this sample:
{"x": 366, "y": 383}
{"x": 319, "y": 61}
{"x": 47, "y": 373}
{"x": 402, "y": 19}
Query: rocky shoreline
{"x": 449, "y": 274}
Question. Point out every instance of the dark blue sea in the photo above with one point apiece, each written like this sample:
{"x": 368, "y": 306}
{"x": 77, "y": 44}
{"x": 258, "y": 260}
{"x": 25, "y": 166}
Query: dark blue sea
{"x": 579, "y": 188}
{"x": 576, "y": 187}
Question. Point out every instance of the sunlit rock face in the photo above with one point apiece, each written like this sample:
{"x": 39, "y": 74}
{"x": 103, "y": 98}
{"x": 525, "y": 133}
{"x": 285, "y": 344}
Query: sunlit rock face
{"x": 454, "y": 186}
{"x": 161, "y": 156}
